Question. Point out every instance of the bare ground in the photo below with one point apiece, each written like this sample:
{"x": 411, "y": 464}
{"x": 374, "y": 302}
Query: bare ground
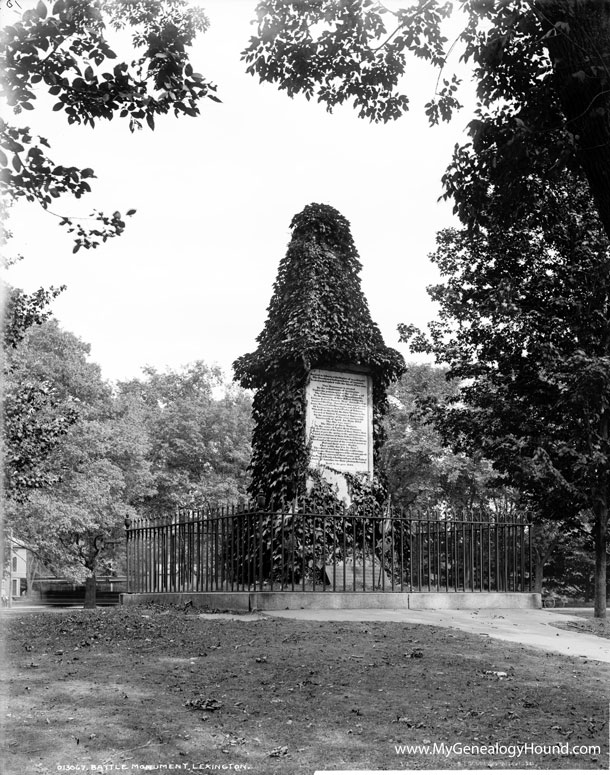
{"x": 586, "y": 623}
{"x": 128, "y": 689}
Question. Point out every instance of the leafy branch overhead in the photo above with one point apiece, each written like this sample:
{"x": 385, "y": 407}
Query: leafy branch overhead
{"x": 542, "y": 70}
{"x": 342, "y": 51}
{"x": 64, "y": 50}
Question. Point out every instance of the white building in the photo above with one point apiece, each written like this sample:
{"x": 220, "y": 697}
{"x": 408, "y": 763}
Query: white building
{"x": 14, "y": 581}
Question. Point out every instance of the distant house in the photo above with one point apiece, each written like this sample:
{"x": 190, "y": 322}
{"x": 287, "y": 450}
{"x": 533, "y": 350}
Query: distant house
{"x": 14, "y": 580}
{"x": 26, "y": 574}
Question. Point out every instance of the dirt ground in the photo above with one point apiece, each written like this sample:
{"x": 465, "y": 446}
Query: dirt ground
{"x": 599, "y": 627}
{"x": 137, "y": 689}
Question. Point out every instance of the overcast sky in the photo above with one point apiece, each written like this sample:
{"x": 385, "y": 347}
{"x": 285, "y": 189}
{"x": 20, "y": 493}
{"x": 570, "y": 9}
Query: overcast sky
{"x": 192, "y": 276}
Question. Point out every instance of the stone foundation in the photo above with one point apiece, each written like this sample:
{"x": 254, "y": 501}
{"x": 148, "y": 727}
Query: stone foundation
{"x": 279, "y": 601}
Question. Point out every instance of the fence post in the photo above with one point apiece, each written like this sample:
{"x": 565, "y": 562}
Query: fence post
{"x": 127, "y": 550}
{"x": 261, "y": 504}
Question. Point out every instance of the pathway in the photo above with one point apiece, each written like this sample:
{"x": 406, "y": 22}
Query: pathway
{"x": 533, "y": 628}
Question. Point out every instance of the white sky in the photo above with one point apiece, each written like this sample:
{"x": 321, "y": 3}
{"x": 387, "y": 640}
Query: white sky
{"x": 192, "y": 275}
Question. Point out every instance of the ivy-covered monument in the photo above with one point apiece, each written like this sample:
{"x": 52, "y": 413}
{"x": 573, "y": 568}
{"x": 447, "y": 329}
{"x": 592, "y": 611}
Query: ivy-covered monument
{"x": 320, "y": 371}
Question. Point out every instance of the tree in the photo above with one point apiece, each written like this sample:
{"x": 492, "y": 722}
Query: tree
{"x": 421, "y": 469}
{"x": 542, "y": 70}
{"x": 32, "y": 426}
{"x": 558, "y": 546}
{"x": 176, "y": 438}
{"x": 318, "y": 316}
{"x": 199, "y": 431}
{"x": 570, "y": 568}
{"x": 75, "y": 525}
{"x": 524, "y": 325}
{"x": 64, "y": 51}
{"x": 35, "y": 418}
{"x": 96, "y": 471}
{"x": 21, "y": 311}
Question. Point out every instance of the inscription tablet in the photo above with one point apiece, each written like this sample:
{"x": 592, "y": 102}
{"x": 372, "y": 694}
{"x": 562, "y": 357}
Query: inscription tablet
{"x": 339, "y": 420}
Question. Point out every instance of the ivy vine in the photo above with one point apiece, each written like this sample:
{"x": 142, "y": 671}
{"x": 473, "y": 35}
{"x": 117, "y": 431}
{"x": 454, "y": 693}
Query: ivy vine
{"x": 318, "y": 317}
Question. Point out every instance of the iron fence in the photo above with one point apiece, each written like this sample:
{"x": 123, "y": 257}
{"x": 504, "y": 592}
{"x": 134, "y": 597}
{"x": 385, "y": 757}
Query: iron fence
{"x": 249, "y": 549}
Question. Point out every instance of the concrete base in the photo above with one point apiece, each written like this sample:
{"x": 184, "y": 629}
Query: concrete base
{"x": 431, "y": 601}
{"x": 279, "y": 601}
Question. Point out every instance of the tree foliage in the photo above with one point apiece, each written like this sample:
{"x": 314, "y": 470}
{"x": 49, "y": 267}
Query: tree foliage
{"x": 569, "y": 564}
{"x": 173, "y": 438}
{"x": 21, "y": 311}
{"x": 542, "y": 71}
{"x": 343, "y": 51}
{"x": 199, "y": 430}
{"x": 524, "y": 326}
{"x": 94, "y": 472}
{"x": 421, "y": 468}
{"x": 35, "y": 416}
{"x": 64, "y": 50}
{"x": 318, "y": 317}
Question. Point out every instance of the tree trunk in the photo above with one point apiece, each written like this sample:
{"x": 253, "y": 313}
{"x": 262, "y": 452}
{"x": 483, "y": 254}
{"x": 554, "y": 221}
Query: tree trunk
{"x": 600, "y": 531}
{"x": 90, "y": 584}
{"x": 580, "y": 53}
{"x": 543, "y": 547}
{"x": 30, "y": 573}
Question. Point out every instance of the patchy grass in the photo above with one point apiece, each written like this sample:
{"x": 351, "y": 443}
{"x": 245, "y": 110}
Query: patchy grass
{"x": 123, "y": 688}
{"x": 586, "y": 623}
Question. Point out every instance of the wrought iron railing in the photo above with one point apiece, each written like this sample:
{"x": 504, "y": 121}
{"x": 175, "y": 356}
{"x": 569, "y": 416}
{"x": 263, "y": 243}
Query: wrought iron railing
{"x": 249, "y": 549}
